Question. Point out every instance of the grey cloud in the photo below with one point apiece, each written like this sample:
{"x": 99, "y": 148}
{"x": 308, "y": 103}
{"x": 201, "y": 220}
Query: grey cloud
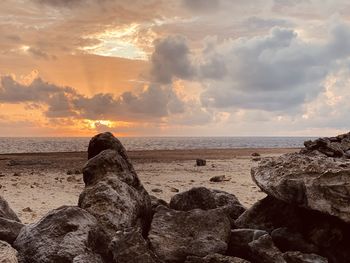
{"x": 171, "y": 58}
{"x": 153, "y": 103}
{"x": 202, "y": 5}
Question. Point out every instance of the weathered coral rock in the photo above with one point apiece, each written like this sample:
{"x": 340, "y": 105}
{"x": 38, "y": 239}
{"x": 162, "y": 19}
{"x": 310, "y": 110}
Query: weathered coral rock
{"x": 174, "y": 235}
{"x": 314, "y": 182}
{"x": 7, "y": 253}
{"x": 61, "y": 236}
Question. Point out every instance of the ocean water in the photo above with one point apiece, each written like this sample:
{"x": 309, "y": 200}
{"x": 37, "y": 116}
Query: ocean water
{"x": 65, "y": 144}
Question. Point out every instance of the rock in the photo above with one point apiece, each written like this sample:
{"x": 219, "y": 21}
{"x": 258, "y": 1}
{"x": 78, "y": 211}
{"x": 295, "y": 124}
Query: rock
{"x": 155, "y": 202}
{"x": 88, "y": 258}
{"x": 117, "y": 205}
{"x": 256, "y": 159}
{"x": 239, "y": 242}
{"x": 264, "y": 251}
{"x": 131, "y": 247}
{"x": 298, "y": 257}
{"x": 70, "y": 172}
{"x": 7, "y": 253}
{"x": 72, "y": 179}
{"x": 174, "y": 190}
{"x": 204, "y": 198}
{"x": 215, "y": 258}
{"x": 6, "y": 211}
{"x": 27, "y": 210}
{"x": 218, "y": 179}
{"x": 201, "y": 162}
{"x": 104, "y": 141}
{"x": 314, "y": 182}
{"x": 60, "y": 236}
{"x": 17, "y": 174}
{"x": 328, "y": 234}
{"x": 113, "y": 192}
{"x": 9, "y": 230}
{"x": 256, "y": 154}
{"x": 174, "y": 235}
{"x": 287, "y": 240}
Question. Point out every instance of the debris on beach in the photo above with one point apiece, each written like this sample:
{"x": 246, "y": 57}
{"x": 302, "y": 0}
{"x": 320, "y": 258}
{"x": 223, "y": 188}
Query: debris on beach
{"x": 201, "y": 162}
{"x": 304, "y": 218}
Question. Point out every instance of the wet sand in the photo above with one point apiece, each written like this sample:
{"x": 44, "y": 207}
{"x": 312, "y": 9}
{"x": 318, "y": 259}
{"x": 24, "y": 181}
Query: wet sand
{"x": 35, "y": 183}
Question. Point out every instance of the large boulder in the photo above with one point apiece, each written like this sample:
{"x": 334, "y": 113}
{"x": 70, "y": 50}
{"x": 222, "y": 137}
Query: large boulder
{"x": 60, "y": 236}
{"x": 174, "y": 235}
{"x": 313, "y": 232}
{"x": 9, "y": 229}
{"x": 298, "y": 257}
{"x": 314, "y": 182}
{"x": 6, "y": 211}
{"x": 206, "y": 199}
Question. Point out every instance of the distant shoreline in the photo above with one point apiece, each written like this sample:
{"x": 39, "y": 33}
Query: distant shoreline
{"x": 160, "y": 155}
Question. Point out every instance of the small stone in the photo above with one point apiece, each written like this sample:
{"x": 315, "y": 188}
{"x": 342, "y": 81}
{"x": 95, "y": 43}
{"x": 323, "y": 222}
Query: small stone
{"x": 157, "y": 190}
{"x": 219, "y": 178}
{"x": 16, "y": 174}
{"x": 27, "y": 209}
{"x": 256, "y": 154}
{"x": 70, "y": 172}
{"x": 201, "y": 162}
{"x": 174, "y": 190}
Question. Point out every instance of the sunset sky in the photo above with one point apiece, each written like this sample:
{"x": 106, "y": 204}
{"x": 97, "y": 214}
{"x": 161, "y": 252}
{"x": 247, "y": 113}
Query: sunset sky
{"x": 174, "y": 67}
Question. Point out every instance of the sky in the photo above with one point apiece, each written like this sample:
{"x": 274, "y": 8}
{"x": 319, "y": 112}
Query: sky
{"x": 174, "y": 67}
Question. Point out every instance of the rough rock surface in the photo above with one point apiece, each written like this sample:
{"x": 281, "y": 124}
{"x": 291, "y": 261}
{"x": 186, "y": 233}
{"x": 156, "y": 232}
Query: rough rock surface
{"x": 338, "y": 146}
{"x": 61, "y": 236}
{"x": 9, "y": 229}
{"x": 174, "y": 235}
{"x": 131, "y": 247}
{"x": 204, "y": 198}
{"x": 298, "y": 257}
{"x": 215, "y": 258}
{"x": 6, "y": 211}
{"x": 239, "y": 240}
{"x": 263, "y": 250}
{"x": 113, "y": 192}
{"x": 329, "y": 235}
{"x": 7, "y": 253}
{"x": 314, "y": 182}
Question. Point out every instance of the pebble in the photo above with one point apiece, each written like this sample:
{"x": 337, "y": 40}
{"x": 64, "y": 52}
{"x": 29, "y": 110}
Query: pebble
{"x": 27, "y": 209}
{"x": 157, "y": 190}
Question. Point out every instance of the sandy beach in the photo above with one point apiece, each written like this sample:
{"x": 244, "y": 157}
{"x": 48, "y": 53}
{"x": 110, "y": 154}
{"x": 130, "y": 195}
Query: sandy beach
{"x": 36, "y": 183}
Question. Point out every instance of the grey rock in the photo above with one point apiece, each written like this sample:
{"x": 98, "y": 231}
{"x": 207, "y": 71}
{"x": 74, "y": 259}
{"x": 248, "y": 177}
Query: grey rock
{"x": 218, "y": 179}
{"x": 314, "y": 182}
{"x": 60, "y": 236}
{"x": 264, "y": 251}
{"x": 239, "y": 242}
{"x": 9, "y": 229}
{"x": 6, "y": 211}
{"x": 88, "y": 258}
{"x": 298, "y": 257}
{"x": 7, "y": 253}
{"x": 215, "y": 258}
{"x": 201, "y": 162}
{"x": 155, "y": 202}
{"x": 131, "y": 247}
{"x": 117, "y": 205}
{"x": 206, "y": 199}
{"x": 174, "y": 235}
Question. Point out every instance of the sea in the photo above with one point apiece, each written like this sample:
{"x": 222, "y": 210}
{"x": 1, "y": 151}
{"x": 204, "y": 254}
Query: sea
{"x": 78, "y": 144}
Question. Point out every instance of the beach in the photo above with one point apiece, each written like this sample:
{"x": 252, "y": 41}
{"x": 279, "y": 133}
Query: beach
{"x": 35, "y": 183}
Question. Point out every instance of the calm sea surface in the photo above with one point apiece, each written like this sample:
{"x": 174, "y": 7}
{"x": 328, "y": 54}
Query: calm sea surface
{"x": 64, "y": 144}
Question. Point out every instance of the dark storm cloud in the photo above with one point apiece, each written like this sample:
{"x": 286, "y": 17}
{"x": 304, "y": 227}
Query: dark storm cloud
{"x": 154, "y": 102}
{"x": 171, "y": 58}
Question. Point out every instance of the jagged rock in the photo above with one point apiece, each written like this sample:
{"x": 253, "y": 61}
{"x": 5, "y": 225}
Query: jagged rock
{"x": 7, "y": 253}
{"x": 9, "y": 229}
{"x": 6, "y": 211}
{"x": 298, "y": 257}
{"x": 314, "y": 182}
{"x": 155, "y": 202}
{"x": 174, "y": 235}
{"x": 287, "y": 240}
{"x": 131, "y": 247}
{"x": 60, "y": 236}
{"x": 113, "y": 192}
{"x": 264, "y": 251}
{"x": 204, "y": 198}
{"x": 215, "y": 258}
{"x": 201, "y": 162}
{"x": 116, "y": 205}
{"x": 239, "y": 240}
{"x": 328, "y": 234}
{"x": 88, "y": 258}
